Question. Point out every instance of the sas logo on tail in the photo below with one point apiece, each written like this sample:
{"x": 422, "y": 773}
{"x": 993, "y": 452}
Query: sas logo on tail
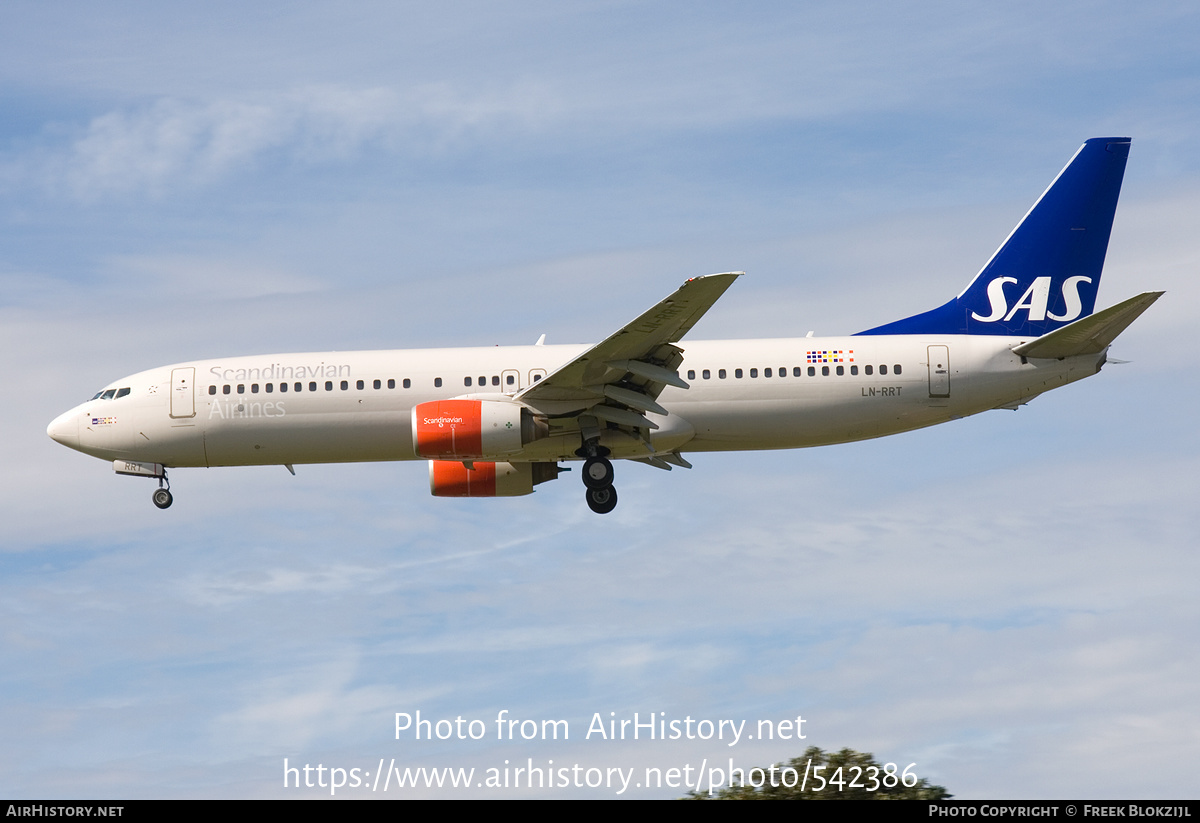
{"x": 1035, "y": 300}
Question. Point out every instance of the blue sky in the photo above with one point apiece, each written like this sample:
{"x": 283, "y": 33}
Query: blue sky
{"x": 1004, "y": 601}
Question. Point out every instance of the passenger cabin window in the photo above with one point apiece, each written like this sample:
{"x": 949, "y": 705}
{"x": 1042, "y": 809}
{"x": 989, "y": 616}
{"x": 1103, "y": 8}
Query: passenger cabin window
{"x": 241, "y": 388}
{"x": 766, "y": 372}
{"x": 883, "y": 369}
{"x": 212, "y": 389}
{"x": 328, "y": 385}
{"x": 377, "y": 384}
{"x": 721, "y": 374}
{"x": 270, "y": 387}
{"x": 737, "y": 373}
{"x": 437, "y": 382}
{"x": 225, "y": 389}
{"x": 896, "y": 369}
{"x": 869, "y": 369}
{"x": 510, "y": 379}
{"x": 754, "y": 372}
{"x": 283, "y": 387}
{"x": 824, "y": 371}
{"x": 254, "y": 388}
{"x": 359, "y": 385}
{"x": 407, "y": 383}
{"x": 495, "y": 380}
{"x": 691, "y": 374}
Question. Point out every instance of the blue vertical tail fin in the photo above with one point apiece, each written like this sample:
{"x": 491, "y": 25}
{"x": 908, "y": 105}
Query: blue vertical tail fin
{"x": 1046, "y": 273}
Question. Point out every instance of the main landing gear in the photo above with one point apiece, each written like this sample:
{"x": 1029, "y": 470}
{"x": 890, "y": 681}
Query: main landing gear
{"x": 162, "y": 495}
{"x": 602, "y": 501}
{"x": 598, "y": 477}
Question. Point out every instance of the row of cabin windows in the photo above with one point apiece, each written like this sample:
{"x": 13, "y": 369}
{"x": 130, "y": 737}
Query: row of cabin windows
{"x": 298, "y": 387}
{"x": 344, "y": 385}
{"x": 797, "y": 371}
{"x": 510, "y": 380}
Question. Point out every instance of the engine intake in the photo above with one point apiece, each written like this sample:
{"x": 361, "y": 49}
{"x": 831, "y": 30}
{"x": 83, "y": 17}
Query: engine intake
{"x": 469, "y": 429}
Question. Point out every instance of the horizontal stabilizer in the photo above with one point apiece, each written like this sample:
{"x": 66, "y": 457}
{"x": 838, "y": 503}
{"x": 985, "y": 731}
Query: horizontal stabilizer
{"x": 1092, "y": 334}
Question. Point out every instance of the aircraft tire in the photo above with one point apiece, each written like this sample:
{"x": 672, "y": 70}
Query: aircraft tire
{"x": 597, "y": 473}
{"x": 602, "y": 501}
{"x": 163, "y": 499}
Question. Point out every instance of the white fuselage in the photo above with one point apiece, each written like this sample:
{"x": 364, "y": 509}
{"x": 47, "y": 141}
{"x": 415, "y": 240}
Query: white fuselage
{"x": 357, "y": 406}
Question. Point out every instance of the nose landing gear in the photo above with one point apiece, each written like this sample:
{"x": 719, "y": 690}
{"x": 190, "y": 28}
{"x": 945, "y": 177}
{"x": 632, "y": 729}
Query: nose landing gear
{"x": 162, "y": 496}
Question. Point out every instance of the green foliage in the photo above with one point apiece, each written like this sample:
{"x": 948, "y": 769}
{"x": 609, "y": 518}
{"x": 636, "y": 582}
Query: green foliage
{"x": 845, "y": 775}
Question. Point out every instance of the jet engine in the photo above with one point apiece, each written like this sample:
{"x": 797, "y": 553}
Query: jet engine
{"x": 469, "y": 429}
{"x": 448, "y": 478}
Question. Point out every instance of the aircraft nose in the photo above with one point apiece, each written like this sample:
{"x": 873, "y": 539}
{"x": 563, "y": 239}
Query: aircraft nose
{"x": 65, "y": 429}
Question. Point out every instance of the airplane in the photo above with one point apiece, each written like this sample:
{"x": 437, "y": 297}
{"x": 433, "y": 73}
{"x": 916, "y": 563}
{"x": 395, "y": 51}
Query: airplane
{"x": 496, "y": 422}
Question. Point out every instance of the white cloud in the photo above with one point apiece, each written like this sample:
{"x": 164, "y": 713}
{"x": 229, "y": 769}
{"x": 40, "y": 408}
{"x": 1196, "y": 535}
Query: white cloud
{"x": 172, "y": 142}
{"x": 153, "y": 148}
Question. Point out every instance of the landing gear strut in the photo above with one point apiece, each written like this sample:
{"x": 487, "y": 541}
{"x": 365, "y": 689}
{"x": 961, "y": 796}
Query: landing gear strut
{"x": 162, "y": 495}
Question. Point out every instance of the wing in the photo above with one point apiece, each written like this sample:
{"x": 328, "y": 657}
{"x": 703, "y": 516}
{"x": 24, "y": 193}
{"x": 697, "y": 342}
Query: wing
{"x": 619, "y": 379}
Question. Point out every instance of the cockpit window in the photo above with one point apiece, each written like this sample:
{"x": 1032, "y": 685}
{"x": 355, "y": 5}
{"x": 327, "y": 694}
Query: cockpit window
{"x": 96, "y": 396}
{"x": 108, "y": 395}
{"x": 122, "y": 393}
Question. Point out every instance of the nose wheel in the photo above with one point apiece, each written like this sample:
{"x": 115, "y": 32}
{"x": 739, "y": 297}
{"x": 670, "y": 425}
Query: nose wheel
{"x": 162, "y": 495}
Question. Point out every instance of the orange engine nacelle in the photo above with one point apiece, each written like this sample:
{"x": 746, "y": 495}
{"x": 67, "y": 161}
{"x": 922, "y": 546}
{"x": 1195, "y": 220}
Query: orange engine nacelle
{"x": 469, "y": 429}
{"x": 448, "y": 478}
